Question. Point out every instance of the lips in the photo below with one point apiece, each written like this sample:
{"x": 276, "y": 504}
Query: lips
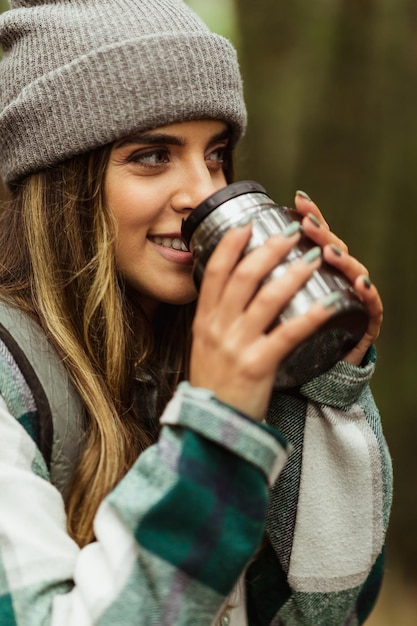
{"x": 171, "y": 248}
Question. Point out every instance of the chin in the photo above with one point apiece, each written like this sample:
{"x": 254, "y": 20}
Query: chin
{"x": 179, "y": 301}
{"x": 185, "y": 293}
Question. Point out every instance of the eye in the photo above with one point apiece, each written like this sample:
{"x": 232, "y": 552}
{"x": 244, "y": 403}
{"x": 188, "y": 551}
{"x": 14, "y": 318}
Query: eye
{"x": 150, "y": 158}
{"x": 217, "y": 156}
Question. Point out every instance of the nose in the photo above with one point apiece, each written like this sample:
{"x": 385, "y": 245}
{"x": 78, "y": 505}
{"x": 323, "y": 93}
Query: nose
{"x": 196, "y": 184}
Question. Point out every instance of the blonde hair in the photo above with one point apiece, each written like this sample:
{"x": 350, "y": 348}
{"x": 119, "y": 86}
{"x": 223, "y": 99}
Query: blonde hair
{"x": 57, "y": 262}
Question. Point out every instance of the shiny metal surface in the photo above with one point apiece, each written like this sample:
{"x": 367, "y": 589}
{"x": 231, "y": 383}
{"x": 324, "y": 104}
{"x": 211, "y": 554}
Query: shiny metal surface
{"x": 211, "y": 220}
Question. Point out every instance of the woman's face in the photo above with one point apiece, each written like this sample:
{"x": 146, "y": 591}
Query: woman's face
{"x": 153, "y": 181}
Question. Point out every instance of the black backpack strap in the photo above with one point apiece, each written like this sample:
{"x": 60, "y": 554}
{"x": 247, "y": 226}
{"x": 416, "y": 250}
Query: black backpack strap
{"x": 59, "y": 407}
{"x": 44, "y": 427}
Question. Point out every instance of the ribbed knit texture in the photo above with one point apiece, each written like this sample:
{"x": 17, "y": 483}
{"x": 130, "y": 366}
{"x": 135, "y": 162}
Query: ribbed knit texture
{"x": 77, "y": 75}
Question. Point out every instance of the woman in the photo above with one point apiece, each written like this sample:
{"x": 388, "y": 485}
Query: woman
{"x": 139, "y": 436}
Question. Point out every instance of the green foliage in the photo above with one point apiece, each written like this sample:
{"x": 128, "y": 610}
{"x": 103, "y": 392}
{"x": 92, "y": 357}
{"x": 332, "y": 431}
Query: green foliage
{"x": 219, "y": 15}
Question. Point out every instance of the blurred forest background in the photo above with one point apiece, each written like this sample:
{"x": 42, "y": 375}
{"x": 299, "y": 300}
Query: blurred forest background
{"x": 331, "y": 90}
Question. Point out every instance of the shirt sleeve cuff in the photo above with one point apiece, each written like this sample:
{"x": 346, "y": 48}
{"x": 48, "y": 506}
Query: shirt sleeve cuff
{"x": 260, "y": 444}
{"x": 342, "y": 385}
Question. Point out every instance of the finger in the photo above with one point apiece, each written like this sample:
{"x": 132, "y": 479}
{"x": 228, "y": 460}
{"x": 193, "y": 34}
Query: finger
{"x": 305, "y": 205}
{"x": 246, "y": 278}
{"x": 357, "y": 274}
{"x": 320, "y": 233}
{"x": 343, "y": 261}
{"x": 285, "y": 337}
{"x": 260, "y": 358}
{"x": 221, "y": 264}
{"x": 372, "y": 300}
{"x": 276, "y": 293}
{"x": 314, "y": 224}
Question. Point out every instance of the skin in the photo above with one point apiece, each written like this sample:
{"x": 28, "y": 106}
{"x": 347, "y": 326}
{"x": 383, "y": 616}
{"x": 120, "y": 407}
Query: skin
{"x": 152, "y": 183}
{"x": 353, "y": 269}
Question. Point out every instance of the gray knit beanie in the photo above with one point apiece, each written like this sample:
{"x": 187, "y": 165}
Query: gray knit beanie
{"x": 77, "y": 74}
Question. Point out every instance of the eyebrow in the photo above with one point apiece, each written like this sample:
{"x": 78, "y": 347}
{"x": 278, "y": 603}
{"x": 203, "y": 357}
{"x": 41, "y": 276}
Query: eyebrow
{"x": 165, "y": 138}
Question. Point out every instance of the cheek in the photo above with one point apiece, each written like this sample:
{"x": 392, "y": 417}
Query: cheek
{"x": 132, "y": 208}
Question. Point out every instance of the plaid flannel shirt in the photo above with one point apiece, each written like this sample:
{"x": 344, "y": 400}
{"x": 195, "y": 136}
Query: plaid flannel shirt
{"x": 186, "y": 521}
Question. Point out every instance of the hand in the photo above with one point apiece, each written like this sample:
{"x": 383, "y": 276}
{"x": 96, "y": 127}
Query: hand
{"x": 233, "y": 353}
{"x": 335, "y": 252}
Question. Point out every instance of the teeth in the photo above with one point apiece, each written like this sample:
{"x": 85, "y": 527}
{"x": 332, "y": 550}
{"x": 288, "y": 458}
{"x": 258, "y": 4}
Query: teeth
{"x": 177, "y": 244}
{"x": 168, "y": 242}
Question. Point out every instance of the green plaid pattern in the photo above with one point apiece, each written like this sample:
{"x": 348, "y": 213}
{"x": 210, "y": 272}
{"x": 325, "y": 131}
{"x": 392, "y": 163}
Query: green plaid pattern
{"x": 188, "y": 519}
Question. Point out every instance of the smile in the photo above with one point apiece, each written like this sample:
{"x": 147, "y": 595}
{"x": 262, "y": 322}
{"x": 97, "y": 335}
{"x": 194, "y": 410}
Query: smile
{"x": 169, "y": 242}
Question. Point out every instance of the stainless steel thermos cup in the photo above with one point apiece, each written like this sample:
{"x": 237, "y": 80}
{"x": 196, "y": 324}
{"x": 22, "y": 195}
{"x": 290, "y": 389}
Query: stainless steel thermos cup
{"x": 245, "y": 201}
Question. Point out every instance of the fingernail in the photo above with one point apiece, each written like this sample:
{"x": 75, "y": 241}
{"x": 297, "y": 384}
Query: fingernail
{"x": 313, "y": 219}
{"x": 303, "y": 194}
{"x": 291, "y": 229}
{"x": 331, "y": 299}
{"x": 336, "y": 249}
{"x": 312, "y": 255}
{"x": 367, "y": 281}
